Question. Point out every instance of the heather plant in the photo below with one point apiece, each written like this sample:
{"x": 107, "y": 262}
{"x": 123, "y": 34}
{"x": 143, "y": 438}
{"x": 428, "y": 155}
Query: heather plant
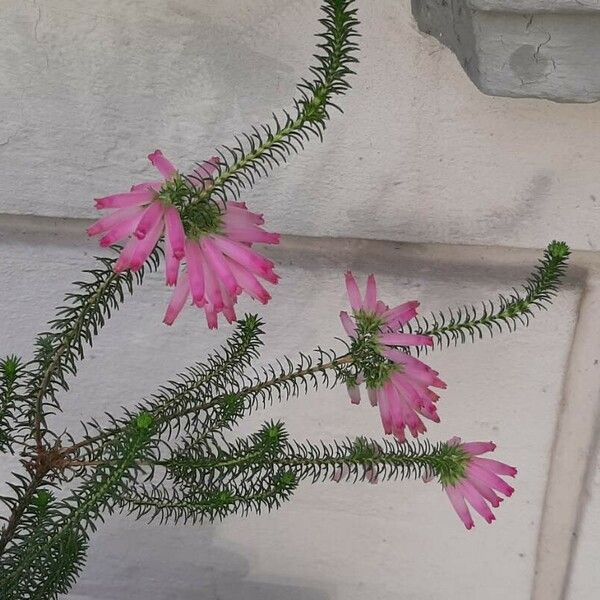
{"x": 175, "y": 456}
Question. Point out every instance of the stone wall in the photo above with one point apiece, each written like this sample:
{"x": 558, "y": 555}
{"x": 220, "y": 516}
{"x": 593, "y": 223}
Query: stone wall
{"x": 446, "y": 194}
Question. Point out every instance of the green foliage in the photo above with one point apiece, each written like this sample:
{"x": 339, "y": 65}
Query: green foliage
{"x": 58, "y": 350}
{"x": 212, "y": 480}
{"x": 11, "y": 370}
{"x": 255, "y": 154}
{"x": 187, "y": 403}
{"x": 469, "y": 323}
{"x": 48, "y": 551}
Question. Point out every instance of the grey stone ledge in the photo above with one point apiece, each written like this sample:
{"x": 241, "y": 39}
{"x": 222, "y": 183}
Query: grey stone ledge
{"x": 521, "y": 48}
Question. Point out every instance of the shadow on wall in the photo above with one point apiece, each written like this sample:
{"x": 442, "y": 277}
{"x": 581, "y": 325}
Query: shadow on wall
{"x": 184, "y": 563}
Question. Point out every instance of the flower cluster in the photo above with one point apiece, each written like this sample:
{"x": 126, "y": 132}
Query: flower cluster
{"x": 480, "y": 482}
{"x": 214, "y": 238}
{"x": 399, "y": 384}
{"x": 396, "y": 382}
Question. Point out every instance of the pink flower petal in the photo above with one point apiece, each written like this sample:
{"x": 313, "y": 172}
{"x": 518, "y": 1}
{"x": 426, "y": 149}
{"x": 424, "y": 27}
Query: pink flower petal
{"x": 171, "y": 263}
{"x": 195, "y": 269}
{"x": 125, "y": 200}
{"x": 490, "y": 479}
{"x": 219, "y": 265}
{"x": 253, "y": 235}
{"x": 473, "y": 497}
{"x": 144, "y": 247}
{"x": 165, "y": 168}
{"x": 460, "y": 506}
{"x": 152, "y": 215}
{"x": 113, "y": 220}
{"x": 372, "y": 396}
{"x": 476, "y": 448}
{"x": 248, "y": 282}
{"x": 354, "y": 393}
{"x": 174, "y": 227}
{"x": 212, "y": 289}
{"x": 495, "y": 466}
{"x": 178, "y": 299}
{"x": 124, "y": 261}
{"x": 149, "y": 186}
{"x": 124, "y": 229}
{"x": 353, "y": 292}
{"x": 401, "y": 314}
{"x": 246, "y": 257}
{"x": 348, "y": 324}
{"x": 371, "y": 294}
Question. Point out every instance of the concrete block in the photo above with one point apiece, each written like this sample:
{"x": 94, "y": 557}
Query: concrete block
{"x": 533, "y": 49}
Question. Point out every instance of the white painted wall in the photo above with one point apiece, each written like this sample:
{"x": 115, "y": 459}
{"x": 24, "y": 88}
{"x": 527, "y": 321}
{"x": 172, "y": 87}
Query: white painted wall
{"x": 421, "y": 160}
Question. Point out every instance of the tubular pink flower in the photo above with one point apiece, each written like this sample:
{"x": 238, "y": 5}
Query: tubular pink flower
{"x": 171, "y": 261}
{"x": 479, "y": 483}
{"x": 165, "y": 167}
{"x": 114, "y": 219}
{"x": 124, "y": 228}
{"x": 353, "y": 292}
{"x": 151, "y": 217}
{"x": 174, "y": 227}
{"x": 140, "y": 213}
{"x": 195, "y": 270}
{"x": 126, "y": 200}
{"x": 144, "y": 247}
{"x": 220, "y": 263}
{"x": 178, "y": 299}
{"x": 400, "y": 387}
{"x": 347, "y": 323}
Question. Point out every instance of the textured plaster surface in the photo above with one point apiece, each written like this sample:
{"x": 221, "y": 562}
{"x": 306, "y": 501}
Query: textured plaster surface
{"x": 88, "y": 90}
{"x": 461, "y": 187}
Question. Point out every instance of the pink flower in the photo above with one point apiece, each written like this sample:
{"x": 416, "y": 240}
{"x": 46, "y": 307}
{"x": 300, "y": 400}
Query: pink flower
{"x": 142, "y": 216}
{"x": 215, "y": 241}
{"x": 480, "y": 483}
{"x": 222, "y": 265}
{"x": 396, "y": 382}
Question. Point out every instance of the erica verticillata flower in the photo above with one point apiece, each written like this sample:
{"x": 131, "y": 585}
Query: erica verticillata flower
{"x": 141, "y": 216}
{"x": 221, "y": 265}
{"x": 479, "y": 484}
{"x": 213, "y": 238}
{"x": 399, "y": 384}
